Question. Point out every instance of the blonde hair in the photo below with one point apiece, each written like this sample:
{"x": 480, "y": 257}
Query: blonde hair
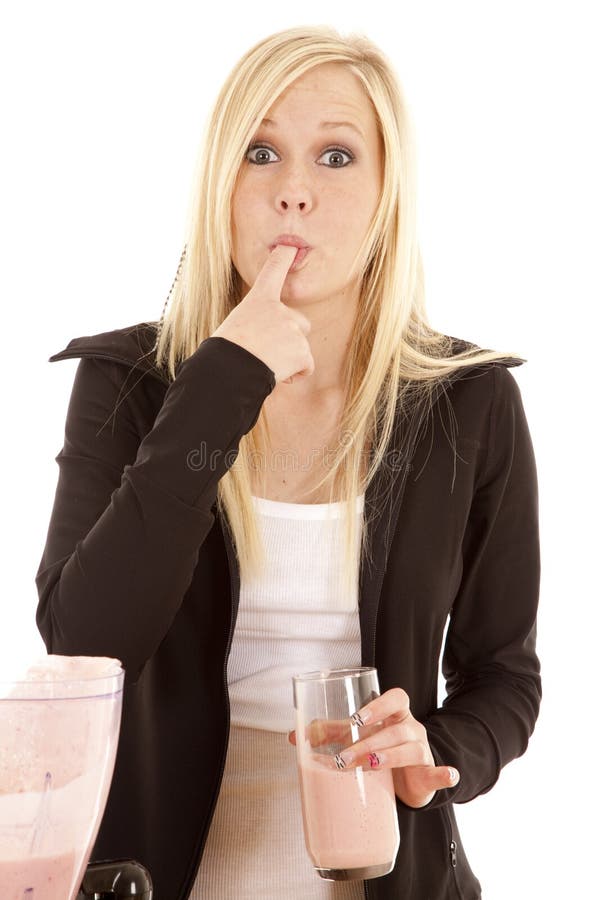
{"x": 395, "y": 359}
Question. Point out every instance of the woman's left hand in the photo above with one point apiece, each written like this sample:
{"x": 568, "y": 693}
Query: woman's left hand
{"x": 401, "y": 745}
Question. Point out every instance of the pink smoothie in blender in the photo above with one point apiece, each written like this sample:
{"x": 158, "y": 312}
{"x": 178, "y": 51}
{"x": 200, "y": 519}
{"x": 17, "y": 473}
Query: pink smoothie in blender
{"x": 59, "y": 729}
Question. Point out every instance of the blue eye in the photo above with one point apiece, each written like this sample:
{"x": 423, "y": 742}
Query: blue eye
{"x": 264, "y": 150}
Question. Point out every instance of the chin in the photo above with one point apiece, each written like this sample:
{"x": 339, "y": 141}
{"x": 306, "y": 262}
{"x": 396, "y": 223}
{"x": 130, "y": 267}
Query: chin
{"x": 297, "y": 293}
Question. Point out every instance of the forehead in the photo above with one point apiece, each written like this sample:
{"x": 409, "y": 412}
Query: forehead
{"x": 327, "y": 89}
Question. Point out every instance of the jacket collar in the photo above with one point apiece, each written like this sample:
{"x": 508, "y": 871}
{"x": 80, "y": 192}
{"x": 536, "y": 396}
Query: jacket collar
{"x": 132, "y": 346}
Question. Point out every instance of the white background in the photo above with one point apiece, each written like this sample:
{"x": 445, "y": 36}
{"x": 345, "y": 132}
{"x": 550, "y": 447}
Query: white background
{"x": 102, "y": 110}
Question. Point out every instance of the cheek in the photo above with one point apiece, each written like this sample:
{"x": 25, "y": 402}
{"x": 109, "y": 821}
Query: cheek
{"x": 346, "y": 206}
{"x": 361, "y": 206}
{"x": 247, "y": 217}
{"x": 245, "y": 198}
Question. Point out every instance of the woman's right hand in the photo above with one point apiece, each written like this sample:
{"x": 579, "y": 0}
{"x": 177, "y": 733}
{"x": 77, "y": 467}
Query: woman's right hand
{"x": 262, "y": 324}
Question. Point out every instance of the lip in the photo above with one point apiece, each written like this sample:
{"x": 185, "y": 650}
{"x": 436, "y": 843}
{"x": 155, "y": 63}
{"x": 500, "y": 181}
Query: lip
{"x": 290, "y": 240}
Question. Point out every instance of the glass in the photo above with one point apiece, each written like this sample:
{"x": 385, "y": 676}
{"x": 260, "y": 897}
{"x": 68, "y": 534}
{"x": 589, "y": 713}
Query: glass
{"x": 349, "y": 814}
{"x": 59, "y": 730}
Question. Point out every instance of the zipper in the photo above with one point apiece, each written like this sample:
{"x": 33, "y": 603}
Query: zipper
{"x": 453, "y": 853}
{"x": 452, "y": 849}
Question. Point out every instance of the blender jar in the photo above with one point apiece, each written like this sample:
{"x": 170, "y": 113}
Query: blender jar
{"x": 59, "y": 730}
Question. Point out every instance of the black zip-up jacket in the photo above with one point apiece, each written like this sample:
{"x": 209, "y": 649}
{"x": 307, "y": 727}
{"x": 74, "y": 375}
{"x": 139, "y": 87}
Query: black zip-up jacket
{"x": 139, "y": 565}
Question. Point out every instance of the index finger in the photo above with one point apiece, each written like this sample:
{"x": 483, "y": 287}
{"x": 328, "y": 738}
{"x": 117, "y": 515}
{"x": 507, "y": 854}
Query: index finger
{"x": 271, "y": 277}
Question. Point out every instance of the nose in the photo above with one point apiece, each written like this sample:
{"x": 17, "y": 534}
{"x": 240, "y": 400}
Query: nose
{"x": 293, "y": 194}
{"x": 285, "y": 205}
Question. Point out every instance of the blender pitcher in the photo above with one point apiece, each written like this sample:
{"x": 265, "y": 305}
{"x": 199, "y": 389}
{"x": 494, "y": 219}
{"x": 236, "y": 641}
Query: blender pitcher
{"x": 59, "y": 730}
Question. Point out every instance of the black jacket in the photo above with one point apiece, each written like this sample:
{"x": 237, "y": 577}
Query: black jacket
{"x": 138, "y": 565}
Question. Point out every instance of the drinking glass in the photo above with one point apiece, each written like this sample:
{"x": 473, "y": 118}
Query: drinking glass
{"x": 349, "y": 814}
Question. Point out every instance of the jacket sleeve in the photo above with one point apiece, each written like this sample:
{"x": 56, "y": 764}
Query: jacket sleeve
{"x": 131, "y": 513}
{"x": 492, "y": 672}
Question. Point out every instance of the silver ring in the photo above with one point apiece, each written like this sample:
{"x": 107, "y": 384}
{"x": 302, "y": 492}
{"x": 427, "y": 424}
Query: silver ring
{"x": 356, "y": 719}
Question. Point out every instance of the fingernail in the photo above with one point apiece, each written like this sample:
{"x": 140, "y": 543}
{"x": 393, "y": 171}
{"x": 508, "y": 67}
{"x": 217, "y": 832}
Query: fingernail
{"x": 375, "y": 760}
{"x": 343, "y": 760}
{"x": 452, "y": 774}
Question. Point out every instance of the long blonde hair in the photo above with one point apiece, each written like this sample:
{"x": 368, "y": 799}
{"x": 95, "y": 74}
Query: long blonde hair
{"x": 395, "y": 358}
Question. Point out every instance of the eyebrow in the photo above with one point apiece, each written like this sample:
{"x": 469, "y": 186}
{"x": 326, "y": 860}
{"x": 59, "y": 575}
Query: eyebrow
{"x": 326, "y": 125}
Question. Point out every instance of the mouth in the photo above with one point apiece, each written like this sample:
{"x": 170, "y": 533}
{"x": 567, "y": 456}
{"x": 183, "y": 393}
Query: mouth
{"x": 299, "y": 258}
{"x": 293, "y": 240}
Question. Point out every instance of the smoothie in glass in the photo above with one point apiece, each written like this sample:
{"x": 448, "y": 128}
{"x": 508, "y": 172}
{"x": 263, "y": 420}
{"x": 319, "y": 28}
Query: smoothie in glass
{"x": 349, "y": 815}
{"x": 350, "y": 818}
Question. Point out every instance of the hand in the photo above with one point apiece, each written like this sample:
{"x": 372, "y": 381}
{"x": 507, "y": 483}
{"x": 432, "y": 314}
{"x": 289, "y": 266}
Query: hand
{"x": 262, "y": 324}
{"x": 401, "y": 745}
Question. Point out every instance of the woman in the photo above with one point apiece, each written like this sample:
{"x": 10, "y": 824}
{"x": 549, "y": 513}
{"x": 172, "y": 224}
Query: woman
{"x": 181, "y": 544}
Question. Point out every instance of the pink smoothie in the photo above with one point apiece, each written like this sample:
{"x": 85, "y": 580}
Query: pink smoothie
{"x": 350, "y": 818}
{"x": 58, "y": 741}
{"x": 47, "y": 878}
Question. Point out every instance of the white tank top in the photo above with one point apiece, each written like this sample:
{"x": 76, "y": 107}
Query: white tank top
{"x": 295, "y": 618}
